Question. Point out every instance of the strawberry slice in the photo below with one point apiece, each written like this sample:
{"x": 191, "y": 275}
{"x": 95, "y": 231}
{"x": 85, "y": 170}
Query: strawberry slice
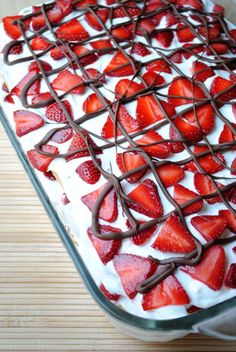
{"x": 145, "y": 199}
{"x": 55, "y": 113}
{"x": 59, "y": 52}
{"x": 201, "y": 71}
{"x": 145, "y": 27}
{"x": 196, "y": 4}
{"x": 148, "y": 111}
{"x": 219, "y": 48}
{"x": 159, "y": 65}
{"x": 211, "y": 268}
{"x": 186, "y": 130}
{"x": 142, "y": 236}
{"x": 129, "y": 8}
{"x": 66, "y": 80}
{"x": 193, "y": 51}
{"x": 128, "y": 123}
{"x": 218, "y": 9}
{"x": 72, "y": 31}
{"x": 102, "y": 46}
{"x": 16, "y": 49}
{"x": 229, "y": 218}
{"x": 193, "y": 309}
{"x": 182, "y": 195}
{"x": 88, "y": 172}
{"x": 125, "y": 88}
{"x": 66, "y": 6}
{"x": 233, "y": 167}
{"x": 41, "y": 97}
{"x": 176, "y": 147}
{"x": 121, "y": 33}
{"x": 156, "y": 149}
{"x": 92, "y": 104}
{"x": 119, "y": 66}
{"x": 170, "y": 174}
{"x": 174, "y": 237}
{"x": 209, "y": 226}
{"x": 92, "y": 20}
{"x": 211, "y": 32}
{"x": 62, "y": 136}
{"x": 183, "y": 88}
{"x": 230, "y": 278}
{"x": 27, "y": 121}
{"x": 106, "y": 249}
{"x": 95, "y": 75}
{"x": 219, "y": 85}
{"x": 153, "y": 79}
{"x": 184, "y": 34}
{"x": 108, "y": 210}
{"x": 164, "y": 38}
{"x": 34, "y": 88}
{"x": 39, "y": 43}
{"x": 109, "y": 295}
{"x": 84, "y": 3}
{"x": 204, "y": 186}
{"x": 78, "y": 143}
{"x": 133, "y": 270}
{"x": 54, "y": 15}
{"x": 227, "y": 135}
{"x": 34, "y": 66}
{"x": 128, "y": 161}
{"x": 11, "y": 29}
{"x": 168, "y": 293}
{"x": 40, "y": 161}
{"x": 204, "y": 116}
{"x": 140, "y": 49}
{"x": 8, "y": 99}
{"x": 87, "y": 58}
{"x": 177, "y": 58}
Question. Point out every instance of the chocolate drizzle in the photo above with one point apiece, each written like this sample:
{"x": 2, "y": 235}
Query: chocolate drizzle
{"x": 168, "y": 266}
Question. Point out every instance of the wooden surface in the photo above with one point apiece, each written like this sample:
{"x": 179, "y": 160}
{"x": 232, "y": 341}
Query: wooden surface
{"x": 44, "y": 306}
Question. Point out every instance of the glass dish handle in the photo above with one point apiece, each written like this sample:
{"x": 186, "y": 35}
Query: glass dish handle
{"x": 222, "y": 326}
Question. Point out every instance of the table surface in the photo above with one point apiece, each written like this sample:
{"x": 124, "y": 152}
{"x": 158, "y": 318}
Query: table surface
{"x": 44, "y": 305}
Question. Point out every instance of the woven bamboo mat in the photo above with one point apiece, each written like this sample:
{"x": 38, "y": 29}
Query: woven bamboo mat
{"x": 44, "y": 306}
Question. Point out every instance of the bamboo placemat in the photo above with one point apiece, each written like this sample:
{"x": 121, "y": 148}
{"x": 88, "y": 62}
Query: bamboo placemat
{"x": 44, "y": 306}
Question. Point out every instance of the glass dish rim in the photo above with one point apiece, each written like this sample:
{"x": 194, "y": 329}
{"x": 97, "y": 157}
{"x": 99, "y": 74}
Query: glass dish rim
{"x": 182, "y": 323}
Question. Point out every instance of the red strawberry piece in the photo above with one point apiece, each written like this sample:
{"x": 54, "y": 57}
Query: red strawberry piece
{"x": 87, "y": 58}
{"x": 153, "y": 79}
{"x": 232, "y": 195}
{"x": 176, "y": 147}
{"x": 140, "y": 49}
{"x": 106, "y": 249}
{"x": 11, "y": 29}
{"x": 211, "y": 268}
{"x": 125, "y": 87}
{"x": 41, "y": 97}
{"x": 204, "y": 186}
{"x": 92, "y": 104}
{"x": 219, "y": 85}
{"x": 156, "y": 149}
{"x": 227, "y": 135}
{"x": 65, "y": 6}
{"x": 102, "y": 46}
{"x": 196, "y": 4}
{"x": 164, "y": 38}
{"x": 183, "y": 195}
{"x": 59, "y": 52}
{"x": 34, "y": 66}
{"x": 129, "y": 161}
{"x": 55, "y": 113}
{"x": 210, "y": 33}
{"x": 108, "y": 210}
{"x": 34, "y": 88}
{"x": 187, "y": 54}
{"x": 40, "y": 161}
{"x": 54, "y": 15}
{"x": 119, "y": 66}
{"x": 8, "y": 99}
{"x": 125, "y": 119}
{"x": 193, "y": 309}
{"x": 209, "y": 226}
{"x": 110, "y": 2}
{"x": 201, "y": 71}
{"x": 16, "y": 49}
{"x": 66, "y": 80}
{"x": 92, "y": 20}
{"x": 148, "y": 111}
{"x": 39, "y": 43}
{"x": 153, "y": 5}
{"x": 219, "y": 48}
{"x": 145, "y": 27}
{"x": 78, "y": 143}
{"x": 95, "y": 75}
{"x": 233, "y": 33}
{"x": 121, "y": 33}
{"x": 204, "y": 116}
{"x": 188, "y": 131}
{"x": 184, "y": 92}
{"x": 145, "y": 199}
{"x": 5, "y": 88}
{"x": 168, "y": 293}
{"x": 85, "y": 3}
{"x": 230, "y": 278}
{"x": 142, "y": 236}
{"x": 72, "y": 31}
{"x": 133, "y": 270}
{"x": 109, "y": 295}
{"x": 171, "y": 18}
{"x": 27, "y": 121}
{"x": 170, "y": 174}
{"x": 218, "y": 9}
{"x": 62, "y": 136}
{"x": 129, "y": 8}
{"x": 233, "y": 167}
{"x": 50, "y": 176}
{"x": 159, "y": 65}
{"x": 229, "y": 218}
{"x": 174, "y": 237}
{"x": 176, "y": 58}
{"x": 184, "y": 34}
{"x": 88, "y": 172}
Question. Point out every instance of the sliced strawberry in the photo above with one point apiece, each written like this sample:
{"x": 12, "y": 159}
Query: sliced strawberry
{"x": 106, "y": 249}
{"x": 129, "y": 8}
{"x": 119, "y": 66}
{"x": 205, "y": 186}
{"x": 153, "y": 79}
{"x": 156, "y": 149}
{"x": 109, "y": 295}
{"x": 34, "y": 66}
{"x": 174, "y": 237}
{"x": 218, "y": 9}
{"x": 8, "y": 99}
{"x": 209, "y": 33}
{"x": 121, "y": 33}
{"x": 227, "y": 135}
{"x": 219, "y": 85}
{"x": 78, "y": 143}
{"x": 95, "y": 75}
{"x": 176, "y": 58}
{"x": 211, "y": 268}
{"x": 88, "y": 172}
{"x": 125, "y": 119}
{"x": 39, "y": 43}
{"x": 72, "y": 31}
{"x": 187, "y": 54}
{"x": 170, "y": 174}
{"x": 233, "y": 167}
{"x": 40, "y": 161}
{"x": 125, "y": 88}
{"x": 27, "y": 121}
{"x": 140, "y": 49}
{"x": 62, "y": 136}
{"x": 183, "y": 88}
{"x": 176, "y": 147}
{"x": 196, "y": 4}
{"x": 148, "y": 111}
{"x": 41, "y": 97}
{"x": 55, "y": 113}
{"x": 129, "y": 161}
{"x": 16, "y": 49}
{"x": 230, "y": 278}
{"x": 66, "y": 80}
{"x": 182, "y": 195}
{"x": 204, "y": 116}
{"x": 133, "y": 270}
{"x": 92, "y": 104}
{"x": 184, "y": 34}
{"x": 54, "y": 15}
{"x": 34, "y": 88}
{"x": 188, "y": 131}
{"x": 167, "y": 293}
{"x": 87, "y": 58}
{"x": 11, "y": 29}
{"x": 159, "y": 65}
{"x": 164, "y": 38}
{"x": 219, "y": 48}
{"x": 145, "y": 199}
{"x": 145, "y": 27}
{"x": 142, "y": 236}
{"x": 193, "y": 309}
{"x": 103, "y": 46}
{"x": 201, "y": 71}
{"x": 108, "y": 210}
{"x": 209, "y": 226}
{"x": 92, "y": 20}
{"x": 66, "y": 6}
{"x": 229, "y": 218}
{"x": 84, "y": 3}
{"x": 59, "y": 52}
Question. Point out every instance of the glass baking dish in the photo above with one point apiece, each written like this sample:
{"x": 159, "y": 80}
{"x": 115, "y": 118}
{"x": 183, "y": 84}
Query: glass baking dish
{"x": 217, "y": 321}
